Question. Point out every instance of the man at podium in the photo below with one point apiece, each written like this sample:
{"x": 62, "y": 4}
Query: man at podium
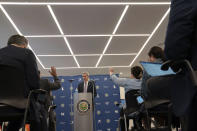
{"x": 87, "y": 85}
{"x": 84, "y": 105}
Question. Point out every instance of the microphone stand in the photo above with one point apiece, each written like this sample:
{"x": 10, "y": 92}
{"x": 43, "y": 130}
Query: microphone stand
{"x": 94, "y": 124}
{"x": 71, "y": 103}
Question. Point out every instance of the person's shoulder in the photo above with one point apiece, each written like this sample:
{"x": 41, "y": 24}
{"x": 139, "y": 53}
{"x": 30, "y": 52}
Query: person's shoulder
{"x": 92, "y": 81}
{"x": 29, "y": 54}
{"x": 80, "y": 83}
{"x": 28, "y": 51}
{"x": 3, "y": 49}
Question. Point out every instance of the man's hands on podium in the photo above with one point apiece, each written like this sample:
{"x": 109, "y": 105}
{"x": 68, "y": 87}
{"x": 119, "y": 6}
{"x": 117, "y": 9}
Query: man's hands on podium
{"x": 53, "y": 71}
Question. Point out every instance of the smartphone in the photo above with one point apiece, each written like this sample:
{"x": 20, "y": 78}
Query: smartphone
{"x": 140, "y": 100}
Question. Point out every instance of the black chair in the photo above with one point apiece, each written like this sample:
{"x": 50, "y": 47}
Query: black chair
{"x": 132, "y": 110}
{"x": 13, "y": 104}
{"x": 162, "y": 110}
{"x": 164, "y": 107}
{"x": 182, "y": 66}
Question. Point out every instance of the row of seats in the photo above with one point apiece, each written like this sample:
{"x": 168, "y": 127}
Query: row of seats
{"x": 142, "y": 113}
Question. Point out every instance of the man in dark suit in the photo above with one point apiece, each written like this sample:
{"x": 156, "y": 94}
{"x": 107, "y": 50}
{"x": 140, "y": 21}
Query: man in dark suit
{"x": 180, "y": 43}
{"x": 16, "y": 54}
{"x": 45, "y": 84}
{"x": 87, "y": 85}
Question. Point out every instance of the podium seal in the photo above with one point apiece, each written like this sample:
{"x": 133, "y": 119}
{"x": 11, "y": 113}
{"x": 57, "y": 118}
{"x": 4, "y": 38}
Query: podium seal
{"x": 83, "y": 106}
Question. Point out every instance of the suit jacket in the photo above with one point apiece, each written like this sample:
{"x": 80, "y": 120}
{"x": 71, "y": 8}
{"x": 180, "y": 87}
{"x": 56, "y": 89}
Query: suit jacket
{"x": 91, "y": 87}
{"x": 25, "y": 60}
{"x": 181, "y": 43}
{"x": 45, "y": 84}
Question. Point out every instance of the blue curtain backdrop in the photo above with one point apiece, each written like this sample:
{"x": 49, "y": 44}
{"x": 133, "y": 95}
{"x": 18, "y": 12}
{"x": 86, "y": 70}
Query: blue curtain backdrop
{"x": 106, "y": 111}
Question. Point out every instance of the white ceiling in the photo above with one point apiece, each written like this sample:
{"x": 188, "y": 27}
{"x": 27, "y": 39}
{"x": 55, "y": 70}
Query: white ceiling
{"x": 86, "y": 35}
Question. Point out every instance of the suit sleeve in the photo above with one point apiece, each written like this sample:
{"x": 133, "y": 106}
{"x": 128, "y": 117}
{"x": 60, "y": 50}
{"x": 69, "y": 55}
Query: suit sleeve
{"x": 55, "y": 85}
{"x": 80, "y": 87}
{"x": 180, "y": 30}
{"x": 31, "y": 71}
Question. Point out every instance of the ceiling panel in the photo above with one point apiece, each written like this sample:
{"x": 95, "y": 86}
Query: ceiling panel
{"x": 83, "y": 20}
{"x": 141, "y": 19}
{"x": 156, "y": 40}
{"x": 125, "y": 71}
{"x": 49, "y": 46}
{"x": 33, "y": 20}
{"x": 6, "y": 30}
{"x": 87, "y": 61}
{"x": 87, "y": 45}
{"x": 88, "y": 19}
{"x": 125, "y": 44}
{"x": 116, "y": 60}
{"x": 151, "y": 0}
{"x": 24, "y": 0}
{"x": 87, "y": 0}
{"x": 58, "y": 61}
{"x": 84, "y": 1}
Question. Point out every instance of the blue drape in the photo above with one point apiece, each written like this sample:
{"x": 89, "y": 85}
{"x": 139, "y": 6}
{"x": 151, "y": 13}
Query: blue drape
{"x": 106, "y": 111}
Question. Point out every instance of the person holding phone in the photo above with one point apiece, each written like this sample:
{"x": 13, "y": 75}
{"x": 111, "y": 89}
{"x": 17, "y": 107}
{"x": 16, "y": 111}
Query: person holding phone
{"x": 134, "y": 82}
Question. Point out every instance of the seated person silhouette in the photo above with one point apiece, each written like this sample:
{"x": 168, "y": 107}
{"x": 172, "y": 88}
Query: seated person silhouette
{"x": 133, "y": 82}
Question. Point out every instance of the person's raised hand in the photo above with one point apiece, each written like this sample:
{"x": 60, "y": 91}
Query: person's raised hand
{"x": 53, "y": 71}
{"x": 111, "y": 71}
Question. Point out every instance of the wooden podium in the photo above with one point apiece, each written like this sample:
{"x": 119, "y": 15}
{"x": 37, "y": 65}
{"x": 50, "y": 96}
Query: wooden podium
{"x": 83, "y": 112}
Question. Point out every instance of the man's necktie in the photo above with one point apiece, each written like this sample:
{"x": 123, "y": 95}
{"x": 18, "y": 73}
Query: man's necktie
{"x": 85, "y": 87}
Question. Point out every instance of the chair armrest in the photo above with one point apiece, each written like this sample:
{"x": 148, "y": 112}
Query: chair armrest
{"x": 51, "y": 107}
{"x": 177, "y": 65}
{"x": 166, "y": 65}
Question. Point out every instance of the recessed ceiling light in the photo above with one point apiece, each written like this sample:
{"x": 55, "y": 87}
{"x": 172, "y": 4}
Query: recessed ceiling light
{"x": 18, "y": 31}
{"x": 153, "y": 32}
{"x": 61, "y": 55}
{"x": 120, "y": 20}
{"x": 114, "y": 31}
{"x": 95, "y": 35}
{"x": 85, "y": 3}
{"x": 55, "y": 19}
{"x": 52, "y": 55}
{"x": 62, "y": 33}
{"x": 90, "y": 67}
{"x": 11, "y": 21}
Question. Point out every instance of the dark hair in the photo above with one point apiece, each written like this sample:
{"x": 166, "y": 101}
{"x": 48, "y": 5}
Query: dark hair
{"x": 137, "y": 72}
{"x": 17, "y": 39}
{"x": 157, "y": 52}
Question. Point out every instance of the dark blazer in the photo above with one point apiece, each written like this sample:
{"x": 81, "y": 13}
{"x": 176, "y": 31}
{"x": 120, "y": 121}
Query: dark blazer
{"x": 25, "y": 60}
{"x": 45, "y": 84}
{"x": 181, "y": 43}
{"x": 91, "y": 87}
{"x": 181, "y": 38}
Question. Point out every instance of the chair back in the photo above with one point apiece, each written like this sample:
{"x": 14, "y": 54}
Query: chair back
{"x": 131, "y": 101}
{"x": 12, "y": 85}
